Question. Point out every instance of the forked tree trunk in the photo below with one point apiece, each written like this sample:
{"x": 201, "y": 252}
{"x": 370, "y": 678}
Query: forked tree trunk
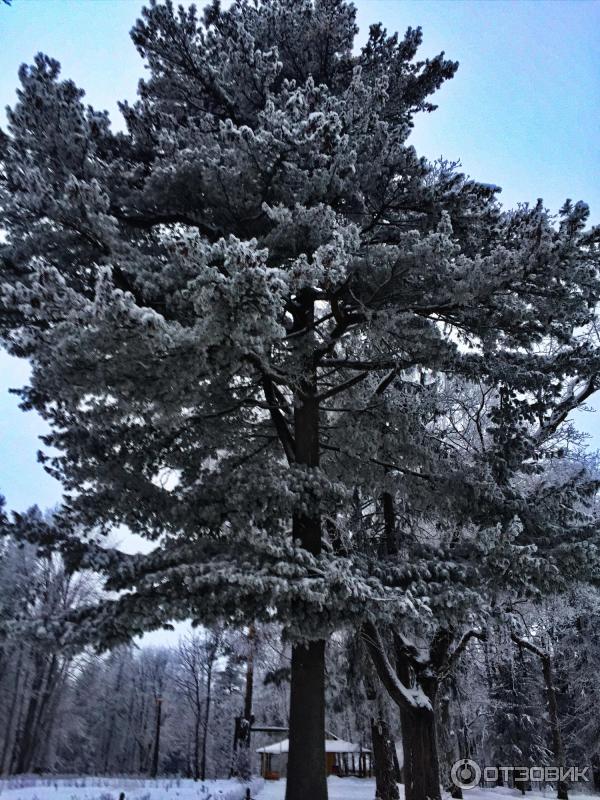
{"x": 421, "y": 762}
{"x": 419, "y": 742}
{"x": 383, "y": 755}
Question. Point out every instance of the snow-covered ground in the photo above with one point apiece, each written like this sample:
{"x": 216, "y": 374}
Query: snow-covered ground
{"x": 362, "y": 789}
{"x": 134, "y": 789}
{"x": 140, "y": 789}
{"x": 339, "y": 789}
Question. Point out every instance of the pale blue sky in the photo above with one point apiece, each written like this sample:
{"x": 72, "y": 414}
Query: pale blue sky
{"x": 522, "y": 112}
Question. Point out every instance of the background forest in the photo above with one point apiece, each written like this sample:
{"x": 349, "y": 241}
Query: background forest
{"x": 85, "y": 713}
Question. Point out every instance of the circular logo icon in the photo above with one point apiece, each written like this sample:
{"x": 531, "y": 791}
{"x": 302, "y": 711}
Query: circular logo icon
{"x": 465, "y": 773}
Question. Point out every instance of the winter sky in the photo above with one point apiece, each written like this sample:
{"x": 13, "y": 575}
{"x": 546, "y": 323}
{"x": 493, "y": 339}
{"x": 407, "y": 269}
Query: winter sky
{"x": 522, "y": 112}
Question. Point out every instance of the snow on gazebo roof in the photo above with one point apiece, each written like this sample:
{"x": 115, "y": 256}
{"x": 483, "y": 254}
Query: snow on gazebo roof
{"x": 331, "y": 746}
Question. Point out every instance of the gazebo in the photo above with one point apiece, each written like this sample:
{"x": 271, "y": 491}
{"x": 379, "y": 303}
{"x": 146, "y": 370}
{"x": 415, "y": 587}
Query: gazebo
{"x": 341, "y": 758}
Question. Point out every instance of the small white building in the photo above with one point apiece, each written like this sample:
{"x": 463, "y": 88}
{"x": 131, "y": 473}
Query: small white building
{"x": 341, "y": 758}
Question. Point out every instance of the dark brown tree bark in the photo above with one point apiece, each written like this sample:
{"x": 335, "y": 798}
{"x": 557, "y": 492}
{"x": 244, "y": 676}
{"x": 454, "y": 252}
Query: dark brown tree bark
{"x": 306, "y": 774}
{"x": 419, "y": 734}
{"x": 421, "y": 762}
{"x": 383, "y": 761}
{"x": 448, "y": 742}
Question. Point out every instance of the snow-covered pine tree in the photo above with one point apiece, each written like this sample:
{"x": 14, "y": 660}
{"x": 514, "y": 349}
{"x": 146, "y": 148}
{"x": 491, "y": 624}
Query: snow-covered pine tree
{"x": 198, "y": 295}
{"x": 521, "y": 525}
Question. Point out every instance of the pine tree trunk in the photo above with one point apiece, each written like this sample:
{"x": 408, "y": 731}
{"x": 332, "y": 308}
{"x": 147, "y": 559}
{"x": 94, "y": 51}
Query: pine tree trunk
{"x": 419, "y": 737}
{"x": 421, "y": 763}
{"x": 383, "y": 756}
{"x": 447, "y": 744}
{"x": 306, "y": 773}
{"x": 419, "y": 741}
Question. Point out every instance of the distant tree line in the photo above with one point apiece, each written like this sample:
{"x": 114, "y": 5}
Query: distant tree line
{"x": 172, "y": 710}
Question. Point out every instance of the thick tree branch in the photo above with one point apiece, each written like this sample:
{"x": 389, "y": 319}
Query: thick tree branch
{"x": 529, "y": 646}
{"x": 146, "y": 220}
{"x": 279, "y": 423}
{"x": 341, "y": 387}
{"x": 365, "y": 366}
{"x": 572, "y": 401}
{"x": 408, "y": 699}
{"x": 461, "y": 647}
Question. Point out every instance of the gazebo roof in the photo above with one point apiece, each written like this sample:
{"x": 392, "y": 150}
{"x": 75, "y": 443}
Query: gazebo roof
{"x": 331, "y": 746}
